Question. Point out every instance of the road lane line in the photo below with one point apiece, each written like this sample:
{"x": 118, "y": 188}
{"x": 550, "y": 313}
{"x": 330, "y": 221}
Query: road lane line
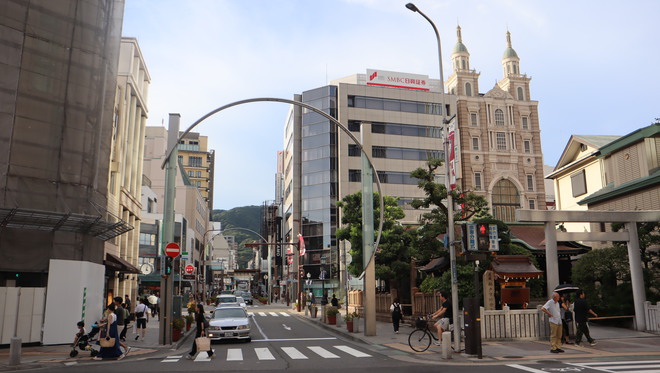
{"x": 352, "y": 351}
{"x": 322, "y": 352}
{"x": 294, "y": 353}
{"x": 264, "y": 353}
{"x": 528, "y": 369}
{"x": 234, "y": 354}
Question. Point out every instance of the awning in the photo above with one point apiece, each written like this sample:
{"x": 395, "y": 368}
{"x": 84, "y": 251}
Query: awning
{"x": 118, "y": 264}
{"x": 511, "y": 267}
{"x": 434, "y": 264}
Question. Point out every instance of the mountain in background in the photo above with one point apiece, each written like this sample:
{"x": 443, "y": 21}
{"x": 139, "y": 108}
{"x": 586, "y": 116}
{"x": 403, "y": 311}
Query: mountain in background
{"x": 248, "y": 217}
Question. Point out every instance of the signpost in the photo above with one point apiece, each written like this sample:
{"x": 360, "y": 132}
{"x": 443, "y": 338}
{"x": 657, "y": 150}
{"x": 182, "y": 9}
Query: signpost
{"x": 172, "y": 250}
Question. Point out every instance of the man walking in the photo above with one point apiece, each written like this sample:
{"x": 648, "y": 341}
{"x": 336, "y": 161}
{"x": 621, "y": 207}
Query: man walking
{"x": 551, "y": 308}
{"x": 121, "y": 323}
{"x": 581, "y": 308}
{"x": 141, "y": 318}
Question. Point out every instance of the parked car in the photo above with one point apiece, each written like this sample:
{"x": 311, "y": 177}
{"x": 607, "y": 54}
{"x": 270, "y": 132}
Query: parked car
{"x": 223, "y": 300}
{"x": 241, "y": 302}
{"x": 229, "y": 322}
{"x": 247, "y": 296}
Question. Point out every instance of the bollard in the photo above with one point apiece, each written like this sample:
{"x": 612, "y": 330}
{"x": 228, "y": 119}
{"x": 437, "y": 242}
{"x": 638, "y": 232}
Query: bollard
{"x": 15, "y": 351}
{"x": 446, "y": 345}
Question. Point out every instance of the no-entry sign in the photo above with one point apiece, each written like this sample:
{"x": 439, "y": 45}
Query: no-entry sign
{"x": 190, "y": 269}
{"x": 172, "y": 249}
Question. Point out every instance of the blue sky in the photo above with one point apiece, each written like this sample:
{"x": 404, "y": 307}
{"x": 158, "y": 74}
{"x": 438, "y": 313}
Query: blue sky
{"x": 593, "y": 64}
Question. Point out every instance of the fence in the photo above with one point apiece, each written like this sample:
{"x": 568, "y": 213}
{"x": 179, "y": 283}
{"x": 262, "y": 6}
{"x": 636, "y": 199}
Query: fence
{"x": 21, "y": 309}
{"x": 514, "y": 324}
{"x": 652, "y": 315}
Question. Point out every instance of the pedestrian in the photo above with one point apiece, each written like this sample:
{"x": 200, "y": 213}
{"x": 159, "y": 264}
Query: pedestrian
{"x": 127, "y": 303}
{"x": 444, "y": 314}
{"x": 566, "y": 318}
{"x": 551, "y": 308}
{"x": 334, "y": 301}
{"x": 200, "y": 320}
{"x": 121, "y": 323}
{"x": 581, "y": 308}
{"x": 110, "y": 325}
{"x": 397, "y": 315}
{"x": 141, "y": 318}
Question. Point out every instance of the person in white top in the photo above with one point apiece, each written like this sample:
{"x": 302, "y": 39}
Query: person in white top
{"x": 551, "y": 308}
{"x": 141, "y": 319}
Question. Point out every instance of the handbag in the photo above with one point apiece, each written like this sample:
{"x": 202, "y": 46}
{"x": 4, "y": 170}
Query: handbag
{"x": 203, "y": 344}
{"x": 107, "y": 342}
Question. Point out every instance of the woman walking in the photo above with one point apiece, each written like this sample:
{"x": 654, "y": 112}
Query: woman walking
{"x": 200, "y": 332}
{"x": 110, "y": 325}
{"x": 397, "y": 315}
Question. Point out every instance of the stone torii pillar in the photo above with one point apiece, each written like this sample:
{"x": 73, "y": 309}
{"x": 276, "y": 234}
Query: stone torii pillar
{"x": 630, "y": 218}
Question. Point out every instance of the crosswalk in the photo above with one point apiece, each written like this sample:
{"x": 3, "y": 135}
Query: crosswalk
{"x": 268, "y": 353}
{"x": 637, "y": 366}
{"x": 266, "y": 314}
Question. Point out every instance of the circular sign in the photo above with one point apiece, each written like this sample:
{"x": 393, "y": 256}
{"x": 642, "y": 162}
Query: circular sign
{"x": 172, "y": 249}
{"x": 190, "y": 269}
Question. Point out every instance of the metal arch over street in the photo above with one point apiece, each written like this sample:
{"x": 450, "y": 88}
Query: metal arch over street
{"x": 306, "y": 106}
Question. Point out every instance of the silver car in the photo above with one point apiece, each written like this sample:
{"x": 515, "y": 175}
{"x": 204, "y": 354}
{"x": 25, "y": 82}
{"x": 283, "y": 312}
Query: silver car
{"x": 229, "y": 322}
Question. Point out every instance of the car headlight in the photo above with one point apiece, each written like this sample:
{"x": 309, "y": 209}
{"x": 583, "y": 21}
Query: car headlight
{"x": 242, "y": 327}
{"x": 213, "y": 328}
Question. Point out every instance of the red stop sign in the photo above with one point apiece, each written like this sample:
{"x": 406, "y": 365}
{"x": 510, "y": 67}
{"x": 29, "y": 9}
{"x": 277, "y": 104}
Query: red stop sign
{"x": 172, "y": 249}
{"x": 190, "y": 269}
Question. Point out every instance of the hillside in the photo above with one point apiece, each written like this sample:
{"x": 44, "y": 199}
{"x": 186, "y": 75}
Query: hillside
{"x": 248, "y": 217}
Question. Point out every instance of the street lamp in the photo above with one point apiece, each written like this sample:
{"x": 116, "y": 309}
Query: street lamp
{"x": 450, "y": 202}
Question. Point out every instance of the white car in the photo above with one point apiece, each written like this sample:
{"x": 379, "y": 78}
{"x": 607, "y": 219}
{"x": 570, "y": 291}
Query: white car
{"x": 241, "y": 302}
{"x": 226, "y": 300}
{"x": 229, "y": 322}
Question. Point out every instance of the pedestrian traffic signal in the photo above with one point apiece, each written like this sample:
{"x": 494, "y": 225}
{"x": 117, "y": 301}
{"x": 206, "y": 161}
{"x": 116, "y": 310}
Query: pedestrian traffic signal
{"x": 483, "y": 240}
{"x": 168, "y": 265}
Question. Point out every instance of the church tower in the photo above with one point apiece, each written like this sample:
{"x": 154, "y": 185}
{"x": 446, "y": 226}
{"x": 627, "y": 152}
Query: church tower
{"x": 513, "y": 81}
{"x": 463, "y": 81}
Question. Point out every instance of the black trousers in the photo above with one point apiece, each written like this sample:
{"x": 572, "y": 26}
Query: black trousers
{"x": 122, "y": 335}
{"x": 582, "y": 328}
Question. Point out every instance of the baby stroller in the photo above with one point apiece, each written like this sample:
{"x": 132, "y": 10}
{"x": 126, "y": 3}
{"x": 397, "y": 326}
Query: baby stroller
{"x": 83, "y": 342}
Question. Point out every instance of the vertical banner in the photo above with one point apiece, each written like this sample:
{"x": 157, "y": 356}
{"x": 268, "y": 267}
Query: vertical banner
{"x": 452, "y": 155}
{"x": 301, "y": 240}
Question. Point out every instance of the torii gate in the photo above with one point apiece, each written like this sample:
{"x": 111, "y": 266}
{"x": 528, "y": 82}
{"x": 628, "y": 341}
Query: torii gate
{"x": 630, "y": 218}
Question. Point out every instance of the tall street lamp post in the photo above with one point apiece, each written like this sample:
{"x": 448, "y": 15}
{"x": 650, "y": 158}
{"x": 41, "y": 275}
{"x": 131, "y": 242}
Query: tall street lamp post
{"x": 450, "y": 202}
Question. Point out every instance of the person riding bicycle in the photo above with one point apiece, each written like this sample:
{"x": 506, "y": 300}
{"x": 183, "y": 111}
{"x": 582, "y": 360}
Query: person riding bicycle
{"x": 444, "y": 313}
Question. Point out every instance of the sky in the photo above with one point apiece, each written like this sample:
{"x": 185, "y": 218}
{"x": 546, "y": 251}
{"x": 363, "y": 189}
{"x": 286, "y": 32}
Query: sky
{"x": 594, "y": 65}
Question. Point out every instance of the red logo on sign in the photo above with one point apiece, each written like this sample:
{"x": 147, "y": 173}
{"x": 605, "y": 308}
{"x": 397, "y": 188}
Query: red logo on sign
{"x": 190, "y": 269}
{"x": 373, "y": 76}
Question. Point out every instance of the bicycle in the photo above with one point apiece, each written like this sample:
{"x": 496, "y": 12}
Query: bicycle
{"x": 420, "y": 338}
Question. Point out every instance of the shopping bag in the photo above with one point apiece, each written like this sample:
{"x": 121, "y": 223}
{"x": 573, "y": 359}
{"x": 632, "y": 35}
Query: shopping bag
{"x": 107, "y": 342}
{"x": 203, "y": 344}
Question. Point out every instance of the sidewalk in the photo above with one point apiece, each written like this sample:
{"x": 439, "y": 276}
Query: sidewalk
{"x": 611, "y": 342}
{"x": 38, "y": 356}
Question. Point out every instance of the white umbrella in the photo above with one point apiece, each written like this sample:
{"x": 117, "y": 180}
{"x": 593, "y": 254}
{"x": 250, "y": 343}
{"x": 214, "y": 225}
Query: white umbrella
{"x": 152, "y": 299}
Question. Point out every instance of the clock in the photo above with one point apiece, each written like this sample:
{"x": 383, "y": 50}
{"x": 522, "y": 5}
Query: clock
{"x": 146, "y": 268}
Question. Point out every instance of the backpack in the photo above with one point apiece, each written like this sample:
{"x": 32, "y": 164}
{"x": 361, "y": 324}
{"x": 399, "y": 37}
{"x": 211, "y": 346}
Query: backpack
{"x": 397, "y": 309}
{"x": 127, "y": 315}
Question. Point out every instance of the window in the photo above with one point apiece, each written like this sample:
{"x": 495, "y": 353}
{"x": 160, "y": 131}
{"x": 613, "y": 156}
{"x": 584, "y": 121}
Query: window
{"x": 468, "y": 89}
{"x": 147, "y": 239}
{"x": 521, "y": 97}
{"x": 354, "y": 126}
{"x": 506, "y": 200}
{"x": 525, "y": 124}
{"x": 354, "y": 175}
{"x": 473, "y": 119}
{"x": 579, "y": 183}
{"x": 528, "y": 146}
{"x": 475, "y": 143}
{"x": 191, "y": 173}
{"x": 394, "y": 105}
{"x": 530, "y": 183}
{"x": 353, "y": 150}
{"x": 499, "y": 117}
{"x": 500, "y": 140}
{"x": 532, "y": 204}
{"x": 195, "y": 161}
{"x": 477, "y": 181}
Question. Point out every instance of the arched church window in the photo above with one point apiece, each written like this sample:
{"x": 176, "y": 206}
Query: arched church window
{"x": 499, "y": 117}
{"x": 468, "y": 89}
{"x": 506, "y": 200}
{"x": 521, "y": 97}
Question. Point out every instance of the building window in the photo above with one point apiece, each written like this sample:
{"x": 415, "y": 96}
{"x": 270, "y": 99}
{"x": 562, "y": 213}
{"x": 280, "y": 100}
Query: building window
{"x": 521, "y": 97}
{"x": 500, "y": 140}
{"x": 530, "y": 183}
{"x": 468, "y": 89}
{"x": 195, "y": 161}
{"x": 473, "y": 119}
{"x": 477, "y": 181}
{"x": 191, "y": 173}
{"x": 532, "y": 204}
{"x": 499, "y": 117}
{"x": 355, "y": 175}
{"x": 579, "y": 183}
{"x": 198, "y": 173}
{"x": 353, "y": 150}
{"x": 475, "y": 143}
{"x": 528, "y": 146}
{"x": 354, "y": 125}
{"x": 525, "y": 124}
{"x": 406, "y": 130}
{"x": 377, "y": 103}
{"x": 147, "y": 239}
{"x": 506, "y": 200}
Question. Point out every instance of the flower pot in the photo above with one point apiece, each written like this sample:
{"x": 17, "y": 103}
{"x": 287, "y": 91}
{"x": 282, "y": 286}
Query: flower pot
{"x": 313, "y": 312}
{"x": 332, "y": 319}
{"x": 188, "y": 325}
{"x": 297, "y": 307}
{"x": 349, "y": 326}
{"x": 176, "y": 335}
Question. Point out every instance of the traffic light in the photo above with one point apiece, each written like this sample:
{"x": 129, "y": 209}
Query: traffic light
{"x": 483, "y": 240}
{"x": 168, "y": 265}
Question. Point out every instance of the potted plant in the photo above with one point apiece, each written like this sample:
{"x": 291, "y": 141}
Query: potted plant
{"x": 313, "y": 310}
{"x": 177, "y": 328}
{"x": 348, "y": 318}
{"x": 190, "y": 318}
{"x": 297, "y": 306}
{"x": 192, "y": 307}
{"x": 332, "y": 313}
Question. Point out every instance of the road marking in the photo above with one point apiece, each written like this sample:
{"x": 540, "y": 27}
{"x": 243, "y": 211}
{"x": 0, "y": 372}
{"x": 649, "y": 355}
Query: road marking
{"x": 528, "y": 369}
{"x": 294, "y": 353}
{"x": 293, "y": 339}
{"x": 264, "y": 353}
{"x": 352, "y": 351}
{"x": 273, "y": 314}
{"x": 285, "y": 314}
{"x": 323, "y": 352}
{"x": 262, "y": 313}
{"x": 203, "y": 356}
{"x": 650, "y": 366}
{"x": 234, "y": 354}
{"x": 286, "y": 327}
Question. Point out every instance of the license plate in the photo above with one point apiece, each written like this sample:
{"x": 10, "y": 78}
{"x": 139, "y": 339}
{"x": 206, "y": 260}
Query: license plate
{"x": 229, "y": 334}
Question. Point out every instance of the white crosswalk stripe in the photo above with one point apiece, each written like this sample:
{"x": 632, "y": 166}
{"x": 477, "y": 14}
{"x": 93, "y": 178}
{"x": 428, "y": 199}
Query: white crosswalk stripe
{"x": 637, "y": 366}
{"x": 202, "y": 356}
{"x": 273, "y": 314}
{"x": 263, "y": 353}
{"x": 322, "y": 352}
{"x": 352, "y": 351}
{"x": 234, "y": 354}
{"x": 267, "y": 353}
{"x": 294, "y": 353}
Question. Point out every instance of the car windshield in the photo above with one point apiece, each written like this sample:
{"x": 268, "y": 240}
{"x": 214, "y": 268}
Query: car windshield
{"x": 240, "y": 300}
{"x": 227, "y": 299}
{"x": 223, "y": 313}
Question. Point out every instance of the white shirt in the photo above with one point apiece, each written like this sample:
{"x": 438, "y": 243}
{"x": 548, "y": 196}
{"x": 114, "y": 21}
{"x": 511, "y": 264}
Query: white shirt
{"x": 553, "y": 308}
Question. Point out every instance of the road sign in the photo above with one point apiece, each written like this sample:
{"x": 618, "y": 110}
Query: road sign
{"x": 190, "y": 269}
{"x": 172, "y": 250}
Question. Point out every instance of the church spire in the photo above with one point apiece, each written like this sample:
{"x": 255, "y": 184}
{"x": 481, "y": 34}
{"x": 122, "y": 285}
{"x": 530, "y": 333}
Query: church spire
{"x": 460, "y": 55}
{"x": 510, "y": 59}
